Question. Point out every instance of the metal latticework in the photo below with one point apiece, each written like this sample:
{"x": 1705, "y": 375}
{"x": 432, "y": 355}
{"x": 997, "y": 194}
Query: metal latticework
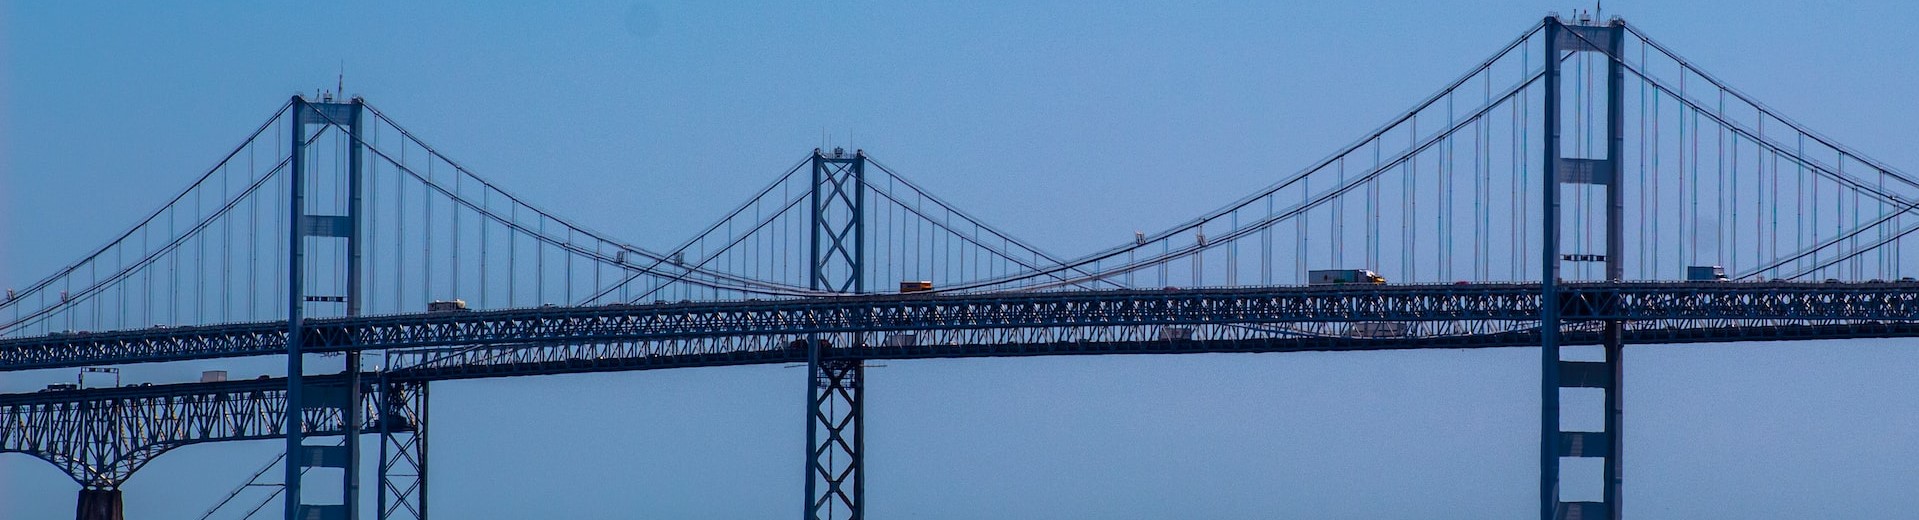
{"x": 839, "y": 233}
{"x": 838, "y": 259}
{"x": 834, "y": 479}
{"x": 1584, "y": 185}
{"x": 100, "y": 437}
{"x": 402, "y": 425}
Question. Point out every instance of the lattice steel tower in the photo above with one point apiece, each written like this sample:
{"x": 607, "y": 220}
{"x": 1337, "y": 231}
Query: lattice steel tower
{"x": 834, "y": 438}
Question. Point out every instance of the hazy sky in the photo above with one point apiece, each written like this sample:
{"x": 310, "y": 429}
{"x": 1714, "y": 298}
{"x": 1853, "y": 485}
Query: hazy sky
{"x": 1069, "y": 124}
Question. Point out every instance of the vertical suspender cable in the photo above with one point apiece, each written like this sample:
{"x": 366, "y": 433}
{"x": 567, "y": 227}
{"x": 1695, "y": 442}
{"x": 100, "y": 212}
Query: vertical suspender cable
{"x": 1726, "y": 254}
{"x": 200, "y": 263}
{"x": 1514, "y": 227}
{"x": 1687, "y": 230}
{"x": 253, "y": 242}
{"x": 1302, "y": 226}
{"x": 226, "y": 252}
{"x": 1338, "y": 221}
{"x": 1733, "y": 250}
{"x": 1799, "y": 236}
{"x": 453, "y": 260}
{"x": 1482, "y": 190}
{"x": 539, "y": 264}
{"x": 1372, "y": 210}
{"x": 1644, "y": 202}
{"x": 486, "y": 201}
{"x": 1524, "y": 157}
{"x": 1884, "y": 252}
{"x": 1265, "y": 245}
{"x": 426, "y": 226}
{"x": 399, "y": 235}
{"x": 1408, "y": 234}
{"x": 1693, "y": 175}
{"x": 1444, "y": 239}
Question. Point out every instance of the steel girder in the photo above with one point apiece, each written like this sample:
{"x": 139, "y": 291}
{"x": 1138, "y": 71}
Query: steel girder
{"x": 100, "y": 437}
{"x": 529, "y": 360}
{"x": 723, "y": 329}
{"x": 118, "y": 429}
{"x": 134, "y": 421}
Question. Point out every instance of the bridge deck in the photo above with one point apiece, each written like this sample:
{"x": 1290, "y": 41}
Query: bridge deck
{"x": 999, "y": 322}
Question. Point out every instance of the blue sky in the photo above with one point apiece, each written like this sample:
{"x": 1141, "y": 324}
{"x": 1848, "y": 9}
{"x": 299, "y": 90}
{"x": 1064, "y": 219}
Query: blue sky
{"x": 1070, "y": 124}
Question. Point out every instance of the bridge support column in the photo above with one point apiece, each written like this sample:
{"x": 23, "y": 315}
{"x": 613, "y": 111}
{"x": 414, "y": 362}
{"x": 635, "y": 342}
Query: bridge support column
{"x": 837, "y": 259}
{"x": 99, "y": 504}
{"x": 1558, "y": 375}
{"x": 834, "y": 438}
{"x": 1615, "y": 334}
{"x": 402, "y": 427}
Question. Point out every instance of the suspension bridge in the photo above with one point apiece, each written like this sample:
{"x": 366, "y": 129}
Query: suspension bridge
{"x": 1582, "y": 188}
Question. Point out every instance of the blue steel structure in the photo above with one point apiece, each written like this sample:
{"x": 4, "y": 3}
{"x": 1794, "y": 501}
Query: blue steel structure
{"x": 1091, "y": 323}
{"x": 512, "y": 343}
{"x": 737, "y": 329}
{"x": 834, "y": 431}
{"x": 102, "y": 436}
{"x": 344, "y": 225}
{"x": 1559, "y": 374}
{"x": 368, "y": 229}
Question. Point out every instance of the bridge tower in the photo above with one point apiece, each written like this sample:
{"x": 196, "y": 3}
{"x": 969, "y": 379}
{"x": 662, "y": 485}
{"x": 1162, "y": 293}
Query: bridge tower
{"x": 329, "y": 225}
{"x": 834, "y": 425}
{"x": 1557, "y": 373}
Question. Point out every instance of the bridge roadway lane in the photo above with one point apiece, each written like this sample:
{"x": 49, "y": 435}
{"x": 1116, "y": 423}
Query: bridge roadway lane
{"x": 1039, "y": 323}
{"x": 84, "y": 432}
{"x": 600, "y": 339}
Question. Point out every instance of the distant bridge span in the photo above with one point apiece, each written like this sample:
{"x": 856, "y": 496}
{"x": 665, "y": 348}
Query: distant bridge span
{"x": 1531, "y": 202}
{"x": 998, "y": 324}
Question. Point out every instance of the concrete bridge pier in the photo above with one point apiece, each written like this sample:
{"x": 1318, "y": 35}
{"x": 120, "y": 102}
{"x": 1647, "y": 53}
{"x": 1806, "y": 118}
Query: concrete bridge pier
{"x": 99, "y": 504}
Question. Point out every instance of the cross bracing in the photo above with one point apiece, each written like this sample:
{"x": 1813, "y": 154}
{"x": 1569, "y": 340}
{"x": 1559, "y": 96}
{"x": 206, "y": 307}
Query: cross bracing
{"x": 1555, "y": 194}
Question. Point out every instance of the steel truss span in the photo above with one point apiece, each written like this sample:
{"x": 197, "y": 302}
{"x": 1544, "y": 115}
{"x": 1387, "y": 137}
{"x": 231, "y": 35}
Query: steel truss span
{"x": 746, "y": 330}
{"x": 100, "y": 437}
{"x": 334, "y": 230}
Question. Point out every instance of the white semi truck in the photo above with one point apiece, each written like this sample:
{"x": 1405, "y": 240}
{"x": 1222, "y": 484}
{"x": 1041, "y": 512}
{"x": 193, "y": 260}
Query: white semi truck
{"x": 1343, "y": 276}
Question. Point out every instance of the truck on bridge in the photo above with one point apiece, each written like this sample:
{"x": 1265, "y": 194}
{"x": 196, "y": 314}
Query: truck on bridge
{"x": 1706, "y": 273}
{"x": 455, "y": 305}
{"x": 1343, "y": 276}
